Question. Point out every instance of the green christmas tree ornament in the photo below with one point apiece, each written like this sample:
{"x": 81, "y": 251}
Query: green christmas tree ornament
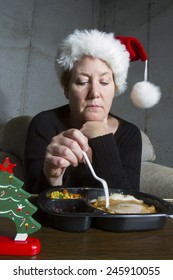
{"x": 14, "y": 204}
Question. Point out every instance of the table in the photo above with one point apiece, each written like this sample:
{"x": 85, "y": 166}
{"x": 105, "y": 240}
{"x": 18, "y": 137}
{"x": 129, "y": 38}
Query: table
{"x": 96, "y": 244}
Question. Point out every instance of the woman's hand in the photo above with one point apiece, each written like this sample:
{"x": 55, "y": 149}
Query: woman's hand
{"x": 64, "y": 150}
{"x": 92, "y": 129}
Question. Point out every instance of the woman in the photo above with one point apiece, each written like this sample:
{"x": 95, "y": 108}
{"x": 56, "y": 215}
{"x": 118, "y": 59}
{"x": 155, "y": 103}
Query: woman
{"x": 93, "y": 68}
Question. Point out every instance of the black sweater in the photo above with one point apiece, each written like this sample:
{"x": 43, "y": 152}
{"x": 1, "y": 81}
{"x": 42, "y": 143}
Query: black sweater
{"x": 115, "y": 157}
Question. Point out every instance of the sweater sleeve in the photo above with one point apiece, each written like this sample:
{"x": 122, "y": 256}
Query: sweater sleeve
{"x": 118, "y": 162}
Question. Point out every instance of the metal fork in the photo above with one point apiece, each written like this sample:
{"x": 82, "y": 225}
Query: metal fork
{"x": 104, "y": 183}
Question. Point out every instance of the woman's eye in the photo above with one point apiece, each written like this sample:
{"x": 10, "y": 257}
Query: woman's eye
{"x": 104, "y": 83}
{"x": 81, "y": 83}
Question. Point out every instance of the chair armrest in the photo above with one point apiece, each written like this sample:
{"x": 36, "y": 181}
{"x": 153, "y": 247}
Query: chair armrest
{"x": 148, "y": 152}
{"x": 157, "y": 180}
{"x": 13, "y": 136}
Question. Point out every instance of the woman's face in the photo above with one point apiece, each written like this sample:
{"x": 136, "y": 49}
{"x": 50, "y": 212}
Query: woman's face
{"x": 91, "y": 90}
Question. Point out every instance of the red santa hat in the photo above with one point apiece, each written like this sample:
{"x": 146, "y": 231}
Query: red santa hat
{"x": 144, "y": 94}
{"x": 117, "y": 52}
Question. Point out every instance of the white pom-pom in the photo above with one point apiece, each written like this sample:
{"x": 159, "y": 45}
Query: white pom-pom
{"x": 145, "y": 95}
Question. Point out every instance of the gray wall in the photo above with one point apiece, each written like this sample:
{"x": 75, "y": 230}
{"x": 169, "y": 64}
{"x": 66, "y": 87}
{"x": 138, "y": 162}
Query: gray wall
{"x": 31, "y": 30}
{"x": 151, "y": 22}
{"x": 30, "y": 33}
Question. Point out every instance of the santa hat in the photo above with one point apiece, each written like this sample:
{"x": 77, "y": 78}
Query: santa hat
{"x": 144, "y": 94}
{"x": 117, "y": 52}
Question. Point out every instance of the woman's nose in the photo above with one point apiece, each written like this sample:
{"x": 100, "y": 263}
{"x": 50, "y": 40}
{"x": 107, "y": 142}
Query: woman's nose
{"x": 94, "y": 91}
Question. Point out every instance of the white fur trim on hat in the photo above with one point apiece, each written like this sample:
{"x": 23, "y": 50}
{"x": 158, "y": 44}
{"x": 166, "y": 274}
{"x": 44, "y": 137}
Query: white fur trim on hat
{"x": 145, "y": 94}
{"x": 97, "y": 44}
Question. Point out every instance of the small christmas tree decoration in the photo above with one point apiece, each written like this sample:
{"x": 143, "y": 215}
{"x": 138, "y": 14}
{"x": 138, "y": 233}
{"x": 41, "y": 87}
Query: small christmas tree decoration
{"x": 14, "y": 205}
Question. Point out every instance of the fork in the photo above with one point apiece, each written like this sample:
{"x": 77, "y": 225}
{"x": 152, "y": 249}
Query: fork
{"x": 104, "y": 183}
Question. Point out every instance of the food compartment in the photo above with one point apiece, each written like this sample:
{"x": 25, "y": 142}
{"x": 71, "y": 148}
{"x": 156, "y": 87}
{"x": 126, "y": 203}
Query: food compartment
{"x": 67, "y": 206}
{"x": 160, "y": 205}
{"x": 67, "y": 214}
{"x": 132, "y": 222}
{"x": 65, "y": 193}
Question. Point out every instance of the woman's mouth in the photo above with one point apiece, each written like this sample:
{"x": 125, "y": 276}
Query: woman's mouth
{"x": 93, "y": 106}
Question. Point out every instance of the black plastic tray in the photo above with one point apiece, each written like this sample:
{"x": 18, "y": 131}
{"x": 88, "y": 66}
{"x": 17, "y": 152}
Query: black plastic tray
{"x": 77, "y": 215}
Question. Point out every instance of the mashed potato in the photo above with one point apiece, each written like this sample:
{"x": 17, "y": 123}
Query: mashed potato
{"x": 123, "y": 204}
